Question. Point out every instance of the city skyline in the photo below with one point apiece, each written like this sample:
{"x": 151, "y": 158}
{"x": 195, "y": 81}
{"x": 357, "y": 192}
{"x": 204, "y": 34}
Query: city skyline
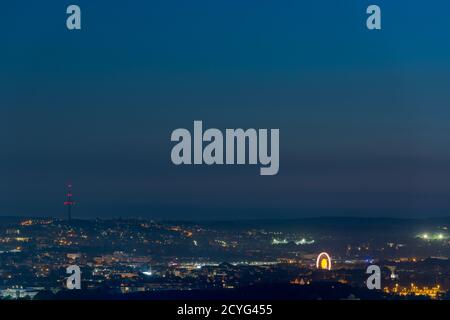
{"x": 141, "y": 259}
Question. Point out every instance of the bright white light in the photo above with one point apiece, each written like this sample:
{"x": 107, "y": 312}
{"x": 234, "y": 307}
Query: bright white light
{"x": 441, "y": 236}
{"x": 147, "y": 273}
{"x": 425, "y": 236}
{"x": 276, "y": 241}
{"x": 304, "y": 241}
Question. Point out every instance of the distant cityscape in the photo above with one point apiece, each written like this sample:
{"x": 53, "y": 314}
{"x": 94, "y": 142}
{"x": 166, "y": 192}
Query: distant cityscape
{"x": 266, "y": 259}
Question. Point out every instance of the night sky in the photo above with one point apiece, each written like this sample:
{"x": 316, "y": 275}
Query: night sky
{"x": 364, "y": 116}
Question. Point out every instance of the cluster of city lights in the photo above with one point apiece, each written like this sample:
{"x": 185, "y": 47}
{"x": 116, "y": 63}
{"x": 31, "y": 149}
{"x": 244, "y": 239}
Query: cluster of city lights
{"x": 432, "y": 292}
{"x": 297, "y": 242}
{"x": 433, "y": 236}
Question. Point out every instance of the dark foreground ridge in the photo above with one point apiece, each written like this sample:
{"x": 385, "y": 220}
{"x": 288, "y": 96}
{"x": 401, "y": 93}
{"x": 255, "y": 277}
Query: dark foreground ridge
{"x": 282, "y": 292}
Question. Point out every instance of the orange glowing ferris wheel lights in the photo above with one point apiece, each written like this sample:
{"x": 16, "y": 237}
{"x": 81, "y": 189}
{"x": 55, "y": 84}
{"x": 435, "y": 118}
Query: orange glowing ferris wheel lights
{"x": 323, "y": 261}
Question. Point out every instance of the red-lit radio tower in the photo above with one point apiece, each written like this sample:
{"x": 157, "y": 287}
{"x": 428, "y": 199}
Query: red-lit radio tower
{"x": 69, "y": 201}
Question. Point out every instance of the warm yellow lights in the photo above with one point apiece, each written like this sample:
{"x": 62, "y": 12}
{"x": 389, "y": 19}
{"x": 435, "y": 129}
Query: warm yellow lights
{"x": 323, "y": 261}
{"x": 431, "y": 292}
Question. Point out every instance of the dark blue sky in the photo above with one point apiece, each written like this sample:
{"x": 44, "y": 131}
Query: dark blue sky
{"x": 363, "y": 115}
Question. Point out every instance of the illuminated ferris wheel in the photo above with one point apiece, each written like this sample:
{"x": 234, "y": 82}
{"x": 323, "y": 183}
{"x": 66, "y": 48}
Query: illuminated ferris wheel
{"x": 323, "y": 261}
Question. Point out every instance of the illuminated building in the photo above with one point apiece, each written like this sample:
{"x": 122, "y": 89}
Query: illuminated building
{"x": 300, "y": 281}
